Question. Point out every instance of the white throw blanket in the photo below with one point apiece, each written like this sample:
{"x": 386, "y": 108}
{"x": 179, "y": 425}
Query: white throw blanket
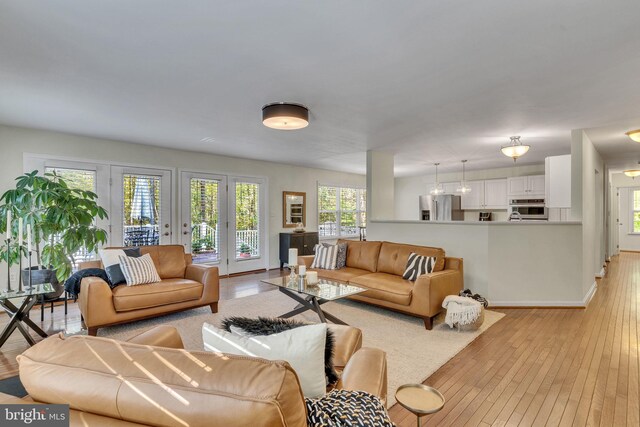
{"x": 461, "y": 310}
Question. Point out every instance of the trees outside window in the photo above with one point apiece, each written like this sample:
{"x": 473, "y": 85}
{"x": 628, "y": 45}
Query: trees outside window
{"x": 341, "y": 210}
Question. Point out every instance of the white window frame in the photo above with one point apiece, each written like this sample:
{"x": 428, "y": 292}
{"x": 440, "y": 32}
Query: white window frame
{"x": 339, "y": 211}
{"x": 632, "y": 211}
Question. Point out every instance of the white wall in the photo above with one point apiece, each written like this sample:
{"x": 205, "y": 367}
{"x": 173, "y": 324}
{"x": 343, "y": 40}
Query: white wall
{"x": 408, "y": 189}
{"x": 588, "y": 180}
{"x": 380, "y": 185}
{"x": 515, "y": 264}
{"x": 14, "y": 142}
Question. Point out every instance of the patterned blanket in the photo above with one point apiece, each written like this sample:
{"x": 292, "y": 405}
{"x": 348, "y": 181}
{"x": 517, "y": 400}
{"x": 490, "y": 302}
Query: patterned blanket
{"x": 347, "y": 408}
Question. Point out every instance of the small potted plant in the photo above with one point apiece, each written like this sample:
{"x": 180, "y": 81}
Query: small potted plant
{"x": 245, "y": 251}
{"x": 62, "y": 220}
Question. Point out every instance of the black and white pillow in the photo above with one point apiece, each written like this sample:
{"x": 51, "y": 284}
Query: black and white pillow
{"x": 417, "y": 265}
{"x": 111, "y": 262}
{"x": 325, "y": 258}
{"x": 347, "y": 408}
{"x": 139, "y": 271}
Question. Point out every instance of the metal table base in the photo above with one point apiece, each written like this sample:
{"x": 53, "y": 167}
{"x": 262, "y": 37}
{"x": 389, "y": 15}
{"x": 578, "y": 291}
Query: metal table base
{"x": 308, "y": 303}
{"x": 19, "y": 319}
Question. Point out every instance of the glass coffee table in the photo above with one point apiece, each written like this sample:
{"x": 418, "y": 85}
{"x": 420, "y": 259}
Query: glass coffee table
{"x": 311, "y": 297}
{"x": 19, "y": 314}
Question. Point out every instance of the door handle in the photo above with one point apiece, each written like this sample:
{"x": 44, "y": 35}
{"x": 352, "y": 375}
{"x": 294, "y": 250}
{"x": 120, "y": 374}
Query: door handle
{"x": 185, "y": 232}
{"x": 166, "y": 233}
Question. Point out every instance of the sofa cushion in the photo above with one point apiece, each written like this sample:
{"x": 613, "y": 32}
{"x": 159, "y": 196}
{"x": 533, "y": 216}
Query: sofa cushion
{"x": 168, "y": 259}
{"x": 343, "y": 275}
{"x": 363, "y": 255}
{"x": 394, "y": 256}
{"x": 169, "y": 291}
{"x": 160, "y": 386}
{"x": 384, "y": 286}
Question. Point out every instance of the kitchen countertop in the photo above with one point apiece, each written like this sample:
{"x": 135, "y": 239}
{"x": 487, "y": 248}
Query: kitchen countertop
{"x": 534, "y": 223}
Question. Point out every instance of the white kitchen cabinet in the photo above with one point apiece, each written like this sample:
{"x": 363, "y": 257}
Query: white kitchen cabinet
{"x": 558, "y": 181}
{"x": 475, "y": 198}
{"x": 495, "y": 194}
{"x": 519, "y": 186}
{"x": 450, "y": 187}
{"x": 489, "y": 194}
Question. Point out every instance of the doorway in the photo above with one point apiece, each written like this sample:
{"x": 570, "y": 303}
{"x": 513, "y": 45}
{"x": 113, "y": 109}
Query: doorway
{"x": 223, "y": 220}
{"x": 629, "y": 218}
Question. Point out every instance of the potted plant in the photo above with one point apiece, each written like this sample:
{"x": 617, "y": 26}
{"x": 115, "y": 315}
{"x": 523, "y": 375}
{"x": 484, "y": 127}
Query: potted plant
{"x": 62, "y": 221}
{"x": 245, "y": 251}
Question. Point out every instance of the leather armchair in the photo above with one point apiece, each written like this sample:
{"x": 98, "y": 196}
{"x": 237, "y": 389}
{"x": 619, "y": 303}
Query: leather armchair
{"x": 183, "y": 286}
{"x": 151, "y": 380}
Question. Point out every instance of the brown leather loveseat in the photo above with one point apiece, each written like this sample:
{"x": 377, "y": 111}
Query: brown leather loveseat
{"x": 183, "y": 286}
{"x": 379, "y": 266}
{"x": 151, "y": 380}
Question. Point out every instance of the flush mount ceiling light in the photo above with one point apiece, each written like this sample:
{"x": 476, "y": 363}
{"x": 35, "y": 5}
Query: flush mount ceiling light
{"x": 515, "y": 149}
{"x": 437, "y": 190}
{"x": 285, "y": 116}
{"x": 463, "y": 188}
{"x": 632, "y": 173}
{"x": 634, "y": 135}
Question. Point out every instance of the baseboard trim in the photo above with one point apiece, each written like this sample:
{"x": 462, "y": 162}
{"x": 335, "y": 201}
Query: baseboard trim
{"x": 601, "y": 274}
{"x": 590, "y": 293}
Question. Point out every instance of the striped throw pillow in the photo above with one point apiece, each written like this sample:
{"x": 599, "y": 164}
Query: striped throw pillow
{"x": 139, "y": 271}
{"x": 325, "y": 258}
{"x": 418, "y": 265}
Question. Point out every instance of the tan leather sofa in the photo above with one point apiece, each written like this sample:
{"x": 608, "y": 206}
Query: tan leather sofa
{"x": 183, "y": 286}
{"x": 379, "y": 266}
{"x": 151, "y": 380}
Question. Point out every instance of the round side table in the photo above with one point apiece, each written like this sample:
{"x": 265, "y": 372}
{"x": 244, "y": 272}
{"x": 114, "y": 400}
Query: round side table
{"x": 420, "y": 399}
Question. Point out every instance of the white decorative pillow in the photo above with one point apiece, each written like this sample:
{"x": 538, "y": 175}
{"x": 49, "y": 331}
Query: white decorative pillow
{"x": 139, "y": 271}
{"x": 326, "y": 257}
{"x": 302, "y": 347}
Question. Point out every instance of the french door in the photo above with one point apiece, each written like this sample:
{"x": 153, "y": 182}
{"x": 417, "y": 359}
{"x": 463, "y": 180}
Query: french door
{"x": 140, "y": 206}
{"x": 222, "y": 221}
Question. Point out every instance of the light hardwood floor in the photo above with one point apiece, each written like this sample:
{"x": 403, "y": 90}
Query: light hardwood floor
{"x": 534, "y": 367}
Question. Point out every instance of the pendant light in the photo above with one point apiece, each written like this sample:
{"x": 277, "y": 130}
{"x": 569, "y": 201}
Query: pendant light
{"x": 463, "y": 188}
{"x": 285, "y": 116}
{"x": 437, "y": 190}
{"x": 632, "y": 173}
{"x": 515, "y": 149}
{"x": 634, "y": 135}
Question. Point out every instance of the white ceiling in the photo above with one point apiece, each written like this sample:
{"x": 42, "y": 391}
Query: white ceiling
{"x": 429, "y": 80}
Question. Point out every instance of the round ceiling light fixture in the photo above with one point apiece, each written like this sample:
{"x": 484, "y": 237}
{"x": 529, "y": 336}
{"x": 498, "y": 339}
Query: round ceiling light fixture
{"x": 634, "y": 135}
{"x": 515, "y": 149}
{"x": 285, "y": 116}
{"x": 632, "y": 173}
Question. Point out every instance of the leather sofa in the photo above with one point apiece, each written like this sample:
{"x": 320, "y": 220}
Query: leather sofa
{"x": 183, "y": 286}
{"x": 151, "y": 380}
{"x": 379, "y": 266}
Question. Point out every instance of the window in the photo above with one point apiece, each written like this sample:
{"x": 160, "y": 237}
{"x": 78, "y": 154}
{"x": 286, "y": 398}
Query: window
{"x": 341, "y": 211}
{"x": 635, "y": 211}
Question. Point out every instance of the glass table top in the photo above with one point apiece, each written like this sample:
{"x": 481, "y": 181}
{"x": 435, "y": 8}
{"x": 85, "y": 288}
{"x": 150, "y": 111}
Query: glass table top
{"x": 44, "y": 288}
{"x": 325, "y": 289}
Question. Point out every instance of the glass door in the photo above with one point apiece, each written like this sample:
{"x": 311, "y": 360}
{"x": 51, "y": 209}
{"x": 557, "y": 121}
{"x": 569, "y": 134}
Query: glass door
{"x": 140, "y": 206}
{"x": 204, "y": 218}
{"x": 246, "y": 224}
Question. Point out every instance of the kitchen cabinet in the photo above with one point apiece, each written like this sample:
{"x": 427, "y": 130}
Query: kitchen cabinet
{"x": 533, "y": 185}
{"x": 558, "y": 181}
{"x": 448, "y": 187}
{"x": 489, "y": 194}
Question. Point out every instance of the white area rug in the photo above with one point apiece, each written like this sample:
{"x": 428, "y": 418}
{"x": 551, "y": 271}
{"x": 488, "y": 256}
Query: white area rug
{"x": 413, "y": 353}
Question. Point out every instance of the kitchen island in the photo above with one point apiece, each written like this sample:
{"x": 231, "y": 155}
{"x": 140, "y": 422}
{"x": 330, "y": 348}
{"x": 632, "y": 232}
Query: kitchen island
{"x": 511, "y": 263}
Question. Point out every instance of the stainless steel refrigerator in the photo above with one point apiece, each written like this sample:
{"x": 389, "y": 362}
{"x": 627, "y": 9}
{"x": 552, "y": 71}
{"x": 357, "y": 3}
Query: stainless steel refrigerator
{"x": 445, "y": 207}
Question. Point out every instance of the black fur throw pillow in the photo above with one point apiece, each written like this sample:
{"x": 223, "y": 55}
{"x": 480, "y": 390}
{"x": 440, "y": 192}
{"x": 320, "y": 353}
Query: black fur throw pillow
{"x": 269, "y": 326}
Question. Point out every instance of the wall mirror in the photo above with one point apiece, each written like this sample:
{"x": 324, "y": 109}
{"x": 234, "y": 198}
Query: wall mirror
{"x": 294, "y": 209}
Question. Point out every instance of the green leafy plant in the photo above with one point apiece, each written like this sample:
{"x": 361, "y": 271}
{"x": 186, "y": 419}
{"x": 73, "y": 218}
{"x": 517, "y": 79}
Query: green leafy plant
{"x": 62, "y": 220}
{"x": 245, "y": 249}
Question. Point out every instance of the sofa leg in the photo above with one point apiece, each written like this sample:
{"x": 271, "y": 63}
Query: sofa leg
{"x": 214, "y": 307}
{"x": 93, "y": 332}
{"x": 428, "y": 324}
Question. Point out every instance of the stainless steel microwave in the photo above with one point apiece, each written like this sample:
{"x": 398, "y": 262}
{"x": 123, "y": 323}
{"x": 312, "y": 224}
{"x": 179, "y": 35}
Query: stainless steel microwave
{"x": 528, "y": 210}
